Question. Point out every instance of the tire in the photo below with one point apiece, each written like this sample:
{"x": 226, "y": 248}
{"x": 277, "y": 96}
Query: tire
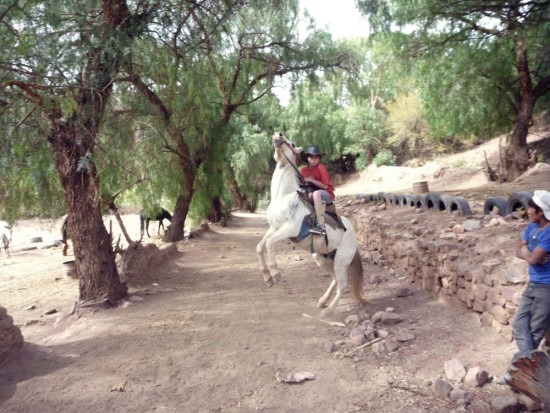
{"x": 442, "y": 203}
{"x": 518, "y": 201}
{"x": 495, "y": 202}
{"x": 381, "y": 196}
{"x": 394, "y": 199}
{"x": 387, "y": 198}
{"x": 399, "y": 200}
{"x": 432, "y": 201}
{"x": 421, "y": 202}
{"x": 410, "y": 200}
{"x": 460, "y": 204}
{"x": 403, "y": 200}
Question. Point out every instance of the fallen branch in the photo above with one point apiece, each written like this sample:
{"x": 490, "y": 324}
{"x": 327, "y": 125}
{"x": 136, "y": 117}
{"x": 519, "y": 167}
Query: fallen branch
{"x": 332, "y": 323}
{"x": 341, "y": 354}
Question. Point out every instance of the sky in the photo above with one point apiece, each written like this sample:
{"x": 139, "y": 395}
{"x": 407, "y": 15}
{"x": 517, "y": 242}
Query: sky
{"x": 340, "y": 17}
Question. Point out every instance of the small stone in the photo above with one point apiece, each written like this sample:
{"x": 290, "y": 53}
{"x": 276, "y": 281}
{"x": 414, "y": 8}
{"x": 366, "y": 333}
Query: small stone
{"x": 352, "y": 319}
{"x": 506, "y": 404}
{"x": 454, "y": 370}
{"x": 330, "y": 347}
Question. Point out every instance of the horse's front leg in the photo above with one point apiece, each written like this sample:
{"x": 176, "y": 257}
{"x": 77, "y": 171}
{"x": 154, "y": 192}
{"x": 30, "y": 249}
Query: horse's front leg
{"x": 260, "y": 250}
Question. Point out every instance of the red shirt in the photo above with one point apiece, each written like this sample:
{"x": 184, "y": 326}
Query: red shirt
{"x": 319, "y": 173}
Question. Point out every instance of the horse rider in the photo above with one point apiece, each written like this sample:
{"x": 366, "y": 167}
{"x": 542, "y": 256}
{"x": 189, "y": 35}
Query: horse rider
{"x": 319, "y": 185}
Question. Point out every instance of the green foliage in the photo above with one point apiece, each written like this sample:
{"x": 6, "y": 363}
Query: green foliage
{"x": 384, "y": 157}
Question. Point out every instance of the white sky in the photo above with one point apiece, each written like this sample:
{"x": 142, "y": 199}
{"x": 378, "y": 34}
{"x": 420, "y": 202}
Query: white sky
{"x": 340, "y": 17}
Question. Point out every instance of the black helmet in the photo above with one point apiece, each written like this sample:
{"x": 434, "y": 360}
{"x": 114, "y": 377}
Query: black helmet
{"x": 312, "y": 150}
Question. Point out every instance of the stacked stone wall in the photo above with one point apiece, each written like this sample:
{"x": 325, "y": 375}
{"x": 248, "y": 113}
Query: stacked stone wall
{"x": 476, "y": 269}
{"x": 11, "y": 339}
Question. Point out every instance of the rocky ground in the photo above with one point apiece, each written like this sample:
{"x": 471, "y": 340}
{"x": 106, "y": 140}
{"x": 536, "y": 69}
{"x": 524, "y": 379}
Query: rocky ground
{"x": 200, "y": 332}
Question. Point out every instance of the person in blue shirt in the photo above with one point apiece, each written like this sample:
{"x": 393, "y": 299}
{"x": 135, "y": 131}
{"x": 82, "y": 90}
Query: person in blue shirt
{"x": 533, "y": 315}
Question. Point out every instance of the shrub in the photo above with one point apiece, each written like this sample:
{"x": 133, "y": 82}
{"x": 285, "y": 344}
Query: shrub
{"x": 384, "y": 157}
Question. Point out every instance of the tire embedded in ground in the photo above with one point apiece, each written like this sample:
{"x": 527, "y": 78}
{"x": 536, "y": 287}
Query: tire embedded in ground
{"x": 495, "y": 202}
{"x": 460, "y": 204}
{"x": 518, "y": 201}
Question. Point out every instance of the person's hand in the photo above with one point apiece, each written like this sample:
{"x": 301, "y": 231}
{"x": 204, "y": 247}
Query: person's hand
{"x": 545, "y": 259}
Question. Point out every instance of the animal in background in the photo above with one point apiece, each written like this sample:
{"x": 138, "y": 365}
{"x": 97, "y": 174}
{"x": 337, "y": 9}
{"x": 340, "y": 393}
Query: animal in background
{"x": 5, "y": 237}
{"x": 160, "y": 216}
{"x": 64, "y": 234}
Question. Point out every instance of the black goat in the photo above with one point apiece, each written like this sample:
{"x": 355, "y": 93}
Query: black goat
{"x": 160, "y": 216}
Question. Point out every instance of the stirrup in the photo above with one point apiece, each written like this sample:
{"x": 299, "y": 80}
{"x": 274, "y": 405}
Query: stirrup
{"x": 318, "y": 230}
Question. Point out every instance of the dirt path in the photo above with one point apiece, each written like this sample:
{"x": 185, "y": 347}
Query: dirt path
{"x": 201, "y": 334}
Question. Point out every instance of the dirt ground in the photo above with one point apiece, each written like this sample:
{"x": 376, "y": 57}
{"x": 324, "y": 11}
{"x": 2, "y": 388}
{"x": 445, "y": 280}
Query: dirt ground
{"x": 201, "y": 333}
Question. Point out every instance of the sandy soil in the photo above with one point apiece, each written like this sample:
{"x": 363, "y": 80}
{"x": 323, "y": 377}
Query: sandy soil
{"x": 200, "y": 332}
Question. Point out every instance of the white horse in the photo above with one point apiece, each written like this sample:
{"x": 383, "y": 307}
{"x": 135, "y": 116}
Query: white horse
{"x": 285, "y": 215}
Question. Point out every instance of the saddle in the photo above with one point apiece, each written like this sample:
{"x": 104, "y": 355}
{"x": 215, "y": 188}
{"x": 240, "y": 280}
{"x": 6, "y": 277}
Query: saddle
{"x": 331, "y": 217}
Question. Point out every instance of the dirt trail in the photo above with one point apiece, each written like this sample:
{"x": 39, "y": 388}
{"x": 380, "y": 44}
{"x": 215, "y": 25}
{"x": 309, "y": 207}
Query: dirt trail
{"x": 202, "y": 334}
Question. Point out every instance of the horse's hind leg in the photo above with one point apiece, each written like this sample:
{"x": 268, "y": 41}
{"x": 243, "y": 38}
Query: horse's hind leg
{"x": 325, "y": 265}
{"x": 341, "y": 280}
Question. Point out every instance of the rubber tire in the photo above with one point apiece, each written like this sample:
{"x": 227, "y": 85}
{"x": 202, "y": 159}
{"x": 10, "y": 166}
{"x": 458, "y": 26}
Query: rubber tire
{"x": 518, "y": 200}
{"x": 443, "y": 203}
{"x": 460, "y": 204}
{"x": 432, "y": 201}
{"x": 403, "y": 200}
{"x": 421, "y": 202}
{"x": 495, "y": 202}
{"x": 394, "y": 199}
{"x": 410, "y": 200}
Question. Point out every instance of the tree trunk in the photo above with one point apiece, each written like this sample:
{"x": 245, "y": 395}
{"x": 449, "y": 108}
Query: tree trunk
{"x": 239, "y": 199}
{"x": 185, "y": 197}
{"x": 517, "y": 157}
{"x": 94, "y": 256}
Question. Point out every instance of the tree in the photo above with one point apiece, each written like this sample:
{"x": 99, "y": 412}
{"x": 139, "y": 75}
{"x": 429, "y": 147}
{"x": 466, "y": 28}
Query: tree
{"x": 217, "y": 60}
{"x": 64, "y": 57}
{"x": 474, "y": 35}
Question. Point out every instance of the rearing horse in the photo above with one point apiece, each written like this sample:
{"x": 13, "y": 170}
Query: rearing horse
{"x": 285, "y": 214}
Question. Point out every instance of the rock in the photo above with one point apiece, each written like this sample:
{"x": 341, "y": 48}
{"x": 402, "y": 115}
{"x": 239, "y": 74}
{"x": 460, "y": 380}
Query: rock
{"x": 454, "y": 370}
{"x": 357, "y": 341}
{"x": 378, "y": 348}
{"x": 471, "y": 225}
{"x": 404, "y": 336}
{"x": 459, "y": 229}
{"x": 352, "y": 319}
{"x": 330, "y": 347}
{"x": 377, "y": 316}
{"x": 441, "y": 388}
{"x": 390, "y": 318}
{"x": 404, "y": 292}
{"x": 382, "y": 333}
{"x": 505, "y": 404}
{"x": 476, "y": 377}
{"x": 457, "y": 394}
{"x": 392, "y": 345}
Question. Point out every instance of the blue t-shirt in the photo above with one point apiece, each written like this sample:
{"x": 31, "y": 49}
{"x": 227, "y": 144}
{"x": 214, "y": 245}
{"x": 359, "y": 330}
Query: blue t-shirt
{"x": 538, "y": 273}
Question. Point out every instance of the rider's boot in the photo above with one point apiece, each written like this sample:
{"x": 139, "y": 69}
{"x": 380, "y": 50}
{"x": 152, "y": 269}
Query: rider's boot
{"x": 319, "y": 229}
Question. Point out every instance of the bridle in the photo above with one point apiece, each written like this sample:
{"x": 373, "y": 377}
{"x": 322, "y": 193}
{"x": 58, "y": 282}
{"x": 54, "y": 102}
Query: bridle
{"x": 278, "y": 143}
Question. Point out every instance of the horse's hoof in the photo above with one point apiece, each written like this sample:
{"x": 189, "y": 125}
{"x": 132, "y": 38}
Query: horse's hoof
{"x": 277, "y": 278}
{"x": 269, "y": 283}
{"x": 321, "y": 304}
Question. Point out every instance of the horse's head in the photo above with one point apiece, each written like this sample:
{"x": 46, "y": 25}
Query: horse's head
{"x": 285, "y": 150}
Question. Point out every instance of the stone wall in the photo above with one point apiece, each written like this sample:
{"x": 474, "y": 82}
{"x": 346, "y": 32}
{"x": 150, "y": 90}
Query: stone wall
{"x": 11, "y": 339}
{"x": 469, "y": 262}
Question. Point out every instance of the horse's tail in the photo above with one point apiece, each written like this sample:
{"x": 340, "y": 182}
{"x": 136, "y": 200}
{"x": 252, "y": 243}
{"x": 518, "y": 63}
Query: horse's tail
{"x": 355, "y": 271}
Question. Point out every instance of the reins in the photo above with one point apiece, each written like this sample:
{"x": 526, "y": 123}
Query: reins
{"x": 300, "y": 177}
